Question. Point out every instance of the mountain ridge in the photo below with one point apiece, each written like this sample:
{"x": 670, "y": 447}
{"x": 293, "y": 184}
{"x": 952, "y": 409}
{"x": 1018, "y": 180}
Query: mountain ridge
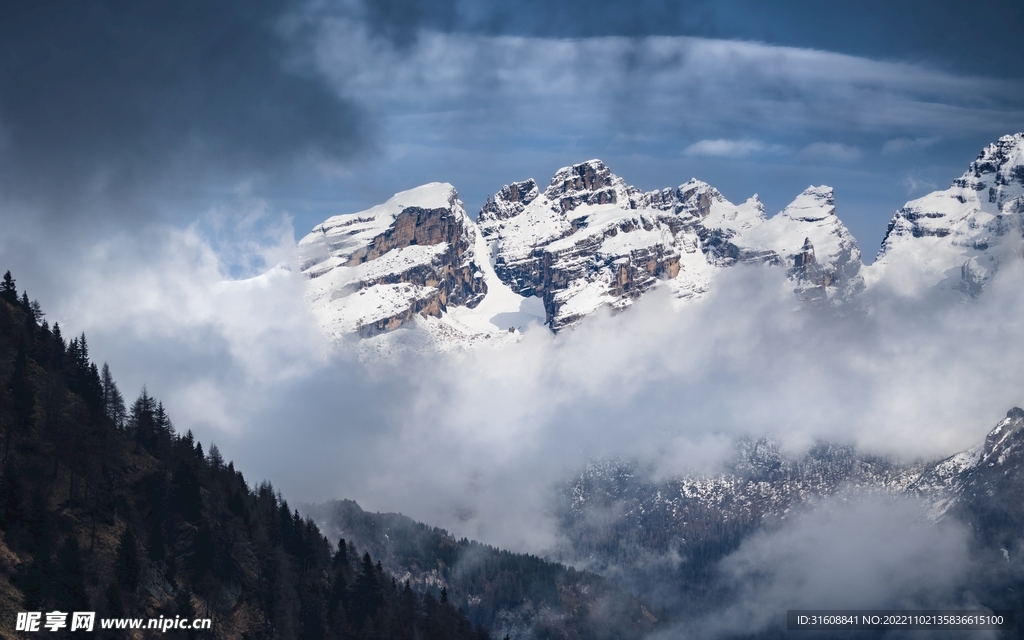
{"x": 589, "y": 240}
{"x": 645, "y": 533}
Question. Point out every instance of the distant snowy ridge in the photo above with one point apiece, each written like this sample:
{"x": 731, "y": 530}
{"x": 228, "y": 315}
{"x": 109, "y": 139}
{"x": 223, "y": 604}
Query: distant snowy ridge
{"x": 614, "y": 512}
{"x": 590, "y": 240}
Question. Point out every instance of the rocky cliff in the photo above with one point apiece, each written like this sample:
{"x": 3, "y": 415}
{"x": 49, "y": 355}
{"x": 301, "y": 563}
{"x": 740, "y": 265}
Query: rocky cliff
{"x": 957, "y": 238}
{"x": 589, "y": 240}
{"x": 372, "y": 271}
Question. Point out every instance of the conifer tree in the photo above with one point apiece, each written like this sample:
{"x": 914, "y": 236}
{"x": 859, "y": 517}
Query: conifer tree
{"x": 83, "y": 352}
{"x": 162, "y": 427}
{"x": 366, "y": 593}
{"x": 69, "y": 578}
{"x": 140, "y": 420}
{"x": 408, "y": 605}
{"x": 216, "y": 460}
{"x": 341, "y": 556}
{"x": 11, "y": 512}
{"x": 22, "y": 398}
{"x": 8, "y": 289}
{"x": 113, "y": 401}
{"x": 128, "y": 565}
{"x": 58, "y": 339}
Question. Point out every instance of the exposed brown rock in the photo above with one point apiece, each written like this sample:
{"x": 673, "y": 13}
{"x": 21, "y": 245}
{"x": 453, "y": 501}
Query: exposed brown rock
{"x": 455, "y": 283}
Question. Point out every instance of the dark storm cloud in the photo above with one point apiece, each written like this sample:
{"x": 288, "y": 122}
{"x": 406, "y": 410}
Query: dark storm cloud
{"x": 105, "y": 99}
{"x": 400, "y": 20}
{"x": 975, "y": 37}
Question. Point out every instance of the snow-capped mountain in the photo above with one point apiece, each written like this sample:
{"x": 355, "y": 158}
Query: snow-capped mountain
{"x": 417, "y": 256}
{"x": 554, "y": 257}
{"x": 371, "y": 271}
{"x": 957, "y": 238}
{"x": 588, "y": 240}
{"x": 983, "y": 485}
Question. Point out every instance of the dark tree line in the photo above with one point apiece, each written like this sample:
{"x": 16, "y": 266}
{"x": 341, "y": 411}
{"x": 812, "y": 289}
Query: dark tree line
{"x": 500, "y": 590}
{"x": 110, "y": 509}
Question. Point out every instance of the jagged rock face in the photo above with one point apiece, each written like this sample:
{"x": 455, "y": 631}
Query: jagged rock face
{"x": 591, "y": 240}
{"x": 983, "y": 485}
{"x": 819, "y": 254}
{"x": 510, "y": 201}
{"x": 992, "y": 491}
{"x": 375, "y": 270}
{"x": 957, "y": 238}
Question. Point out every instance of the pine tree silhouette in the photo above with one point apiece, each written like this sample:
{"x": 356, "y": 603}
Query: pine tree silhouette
{"x": 69, "y": 578}
{"x": 8, "y": 289}
{"x": 128, "y": 565}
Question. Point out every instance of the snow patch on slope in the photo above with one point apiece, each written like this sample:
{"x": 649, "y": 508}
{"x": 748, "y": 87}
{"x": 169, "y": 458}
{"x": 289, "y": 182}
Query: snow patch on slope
{"x": 956, "y": 239}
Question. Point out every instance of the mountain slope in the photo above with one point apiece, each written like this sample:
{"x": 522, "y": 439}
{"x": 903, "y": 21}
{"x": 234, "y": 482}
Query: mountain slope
{"x": 663, "y": 539}
{"x": 515, "y": 594}
{"x": 957, "y": 238}
{"x": 112, "y": 511}
{"x": 588, "y": 241}
{"x": 372, "y": 271}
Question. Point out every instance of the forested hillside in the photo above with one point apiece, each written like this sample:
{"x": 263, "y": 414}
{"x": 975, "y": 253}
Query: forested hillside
{"x": 105, "y": 507}
{"x": 509, "y": 593}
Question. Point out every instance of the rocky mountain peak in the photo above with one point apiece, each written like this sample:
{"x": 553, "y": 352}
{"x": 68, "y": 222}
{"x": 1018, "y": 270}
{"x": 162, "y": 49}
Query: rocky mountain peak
{"x": 374, "y": 270}
{"x": 818, "y": 251}
{"x": 1003, "y": 160}
{"x": 589, "y": 182}
{"x": 812, "y": 205}
{"x": 956, "y": 238}
{"x": 1004, "y": 433}
{"x": 592, "y": 175}
{"x": 510, "y": 201}
{"x": 690, "y": 199}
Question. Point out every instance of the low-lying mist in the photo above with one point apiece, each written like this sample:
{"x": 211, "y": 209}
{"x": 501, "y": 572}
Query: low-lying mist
{"x": 475, "y": 441}
{"x": 479, "y": 442}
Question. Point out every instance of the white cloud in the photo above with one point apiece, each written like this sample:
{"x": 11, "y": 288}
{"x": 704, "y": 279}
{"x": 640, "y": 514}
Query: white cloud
{"x": 485, "y": 85}
{"x": 722, "y": 148}
{"x": 475, "y": 442}
{"x": 915, "y": 184}
{"x": 853, "y": 552}
{"x": 899, "y": 145}
{"x": 831, "y": 151}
